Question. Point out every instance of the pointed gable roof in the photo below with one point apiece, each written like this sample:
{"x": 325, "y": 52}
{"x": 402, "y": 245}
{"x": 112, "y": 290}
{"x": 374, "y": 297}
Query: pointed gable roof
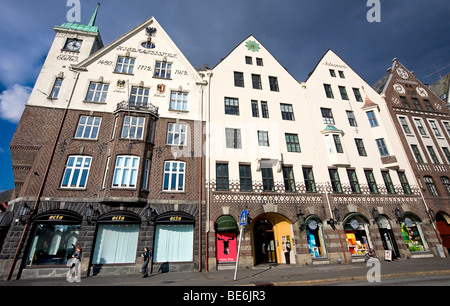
{"x": 90, "y": 27}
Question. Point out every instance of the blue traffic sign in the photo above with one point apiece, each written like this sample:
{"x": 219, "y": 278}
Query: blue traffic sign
{"x": 243, "y": 218}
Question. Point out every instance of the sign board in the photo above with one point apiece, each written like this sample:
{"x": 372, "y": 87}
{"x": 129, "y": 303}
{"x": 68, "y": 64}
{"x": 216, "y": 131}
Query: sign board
{"x": 388, "y": 255}
{"x": 243, "y": 218}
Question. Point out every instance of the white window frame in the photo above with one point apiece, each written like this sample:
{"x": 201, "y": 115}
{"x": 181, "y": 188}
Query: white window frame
{"x": 177, "y": 134}
{"x": 126, "y": 171}
{"x": 178, "y": 101}
{"x": 163, "y": 70}
{"x": 170, "y": 174}
{"x": 88, "y": 127}
{"x": 139, "y": 96}
{"x": 56, "y": 88}
{"x": 97, "y": 92}
{"x": 125, "y": 64}
{"x": 133, "y": 127}
{"x": 76, "y": 172}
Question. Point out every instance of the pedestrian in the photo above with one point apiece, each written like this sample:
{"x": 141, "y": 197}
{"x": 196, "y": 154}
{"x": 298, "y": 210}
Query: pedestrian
{"x": 147, "y": 255}
{"x": 75, "y": 264}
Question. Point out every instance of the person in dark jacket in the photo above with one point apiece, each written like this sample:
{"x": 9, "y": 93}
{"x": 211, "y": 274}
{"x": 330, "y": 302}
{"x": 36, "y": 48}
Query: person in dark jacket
{"x": 75, "y": 264}
{"x": 147, "y": 255}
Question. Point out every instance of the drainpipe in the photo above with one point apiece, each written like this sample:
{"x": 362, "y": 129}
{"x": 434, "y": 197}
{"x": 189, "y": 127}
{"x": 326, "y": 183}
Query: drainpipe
{"x": 44, "y": 179}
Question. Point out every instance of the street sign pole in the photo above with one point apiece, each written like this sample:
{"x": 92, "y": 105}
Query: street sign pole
{"x": 242, "y": 223}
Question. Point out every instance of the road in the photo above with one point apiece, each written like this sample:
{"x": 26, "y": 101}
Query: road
{"x": 424, "y": 280}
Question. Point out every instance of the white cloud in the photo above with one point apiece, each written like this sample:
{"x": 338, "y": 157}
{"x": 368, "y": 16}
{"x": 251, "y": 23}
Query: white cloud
{"x": 12, "y": 102}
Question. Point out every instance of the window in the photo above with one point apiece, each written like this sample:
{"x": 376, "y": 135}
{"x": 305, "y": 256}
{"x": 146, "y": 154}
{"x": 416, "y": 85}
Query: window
{"x": 174, "y": 243}
{"x": 56, "y": 87}
{"x": 341, "y": 74}
{"x": 76, "y": 172}
{"x": 256, "y": 81}
{"x": 248, "y": 60}
{"x": 133, "y": 127}
{"x": 382, "y": 147}
{"x": 125, "y": 65}
{"x": 88, "y": 127}
{"x": 328, "y": 91}
{"x": 416, "y": 103}
{"x": 231, "y": 106}
{"x": 178, "y": 101}
{"x": 447, "y": 127}
{"x": 292, "y": 143}
{"x": 447, "y": 153}
{"x": 97, "y": 92}
{"x": 335, "y": 181}
{"x": 338, "y": 144}
{"x": 163, "y": 70}
{"x": 264, "y": 109}
{"x": 351, "y": 118}
{"x": 176, "y": 134}
{"x": 430, "y": 186}
{"x": 245, "y": 177}
{"x": 360, "y": 147}
{"x": 238, "y": 79}
{"x": 263, "y": 138}
{"x": 357, "y": 94}
{"x": 416, "y": 152}
{"x": 404, "y": 101}
{"x": 259, "y": 61}
{"x": 405, "y": 125}
{"x": 404, "y": 182}
{"x": 343, "y": 93}
{"x": 388, "y": 182}
{"x": 308, "y": 176}
{"x": 146, "y": 174}
{"x": 233, "y": 138}
{"x": 267, "y": 178}
{"x": 273, "y": 82}
{"x": 174, "y": 173}
{"x": 288, "y": 177}
{"x": 221, "y": 176}
{"x": 419, "y": 126}
{"x": 435, "y": 128}
{"x": 333, "y": 73}
{"x": 371, "y": 181}
{"x": 428, "y": 105}
{"x": 327, "y": 116}
{"x": 353, "y": 180}
{"x": 287, "y": 112}
{"x": 125, "y": 173}
{"x": 139, "y": 96}
{"x": 372, "y": 119}
{"x": 433, "y": 155}
{"x": 255, "y": 111}
{"x": 116, "y": 244}
{"x": 446, "y": 183}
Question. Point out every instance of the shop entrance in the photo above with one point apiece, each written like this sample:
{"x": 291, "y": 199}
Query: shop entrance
{"x": 387, "y": 236}
{"x": 264, "y": 242}
{"x": 443, "y": 225}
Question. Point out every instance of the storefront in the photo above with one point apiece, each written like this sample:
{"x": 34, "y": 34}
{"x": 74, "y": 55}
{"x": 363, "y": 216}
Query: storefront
{"x": 443, "y": 225}
{"x": 272, "y": 239}
{"x": 54, "y": 237}
{"x": 314, "y": 234}
{"x": 117, "y": 238}
{"x": 356, "y": 228}
{"x": 387, "y": 236}
{"x": 413, "y": 234}
{"x": 226, "y": 239}
{"x": 174, "y": 238}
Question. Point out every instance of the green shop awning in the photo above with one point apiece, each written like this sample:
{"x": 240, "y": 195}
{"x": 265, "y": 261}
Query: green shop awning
{"x": 226, "y": 224}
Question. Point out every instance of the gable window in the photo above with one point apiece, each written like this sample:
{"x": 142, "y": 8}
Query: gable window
{"x": 263, "y": 138}
{"x": 248, "y": 60}
{"x": 273, "y": 82}
{"x": 328, "y": 91}
{"x": 163, "y": 70}
{"x": 231, "y": 106}
{"x": 233, "y": 138}
{"x": 238, "y": 79}
{"x": 97, "y": 92}
{"x": 371, "y": 181}
{"x": 256, "y": 81}
{"x": 88, "y": 127}
{"x": 259, "y": 61}
{"x": 308, "y": 176}
{"x": 357, "y": 94}
{"x": 428, "y": 105}
{"x": 178, "y": 101}
{"x": 382, "y": 147}
{"x": 388, "y": 182}
{"x": 55, "y": 89}
{"x": 333, "y": 73}
{"x": 174, "y": 175}
{"x": 343, "y": 93}
{"x": 125, "y": 172}
{"x": 292, "y": 142}
{"x": 139, "y": 96}
{"x": 335, "y": 180}
{"x": 416, "y": 103}
{"x": 341, "y": 74}
{"x": 287, "y": 113}
{"x": 245, "y": 177}
{"x": 76, "y": 172}
{"x": 288, "y": 177}
{"x": 125, "y": 65}
{"x": 372, "y": 119}
{"x": 435, "y": 128}
{"x": 222, "y": 176}
{"x": 176, "y": 134}
{"x": 327, "y": 116}
{"x": 133, "y": 127}
{"x": 404, "y": 101}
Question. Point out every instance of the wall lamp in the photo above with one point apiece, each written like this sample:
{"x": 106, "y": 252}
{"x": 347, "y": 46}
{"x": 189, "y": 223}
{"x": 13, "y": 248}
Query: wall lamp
{"x": 375, "y": 215}
{"x": 151, "y": 215}
{"x": 91, "y": 214}
{"x": 24, "y": 211}
{"x": 332, "y": 222}
{"x": 301, "y": 220}
{"x": 398, "y": 215}
{"x": 431, "y": 215}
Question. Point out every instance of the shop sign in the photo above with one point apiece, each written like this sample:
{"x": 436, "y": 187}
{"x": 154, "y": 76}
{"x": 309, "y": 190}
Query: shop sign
{"x": 354, "y": 223}
{"x": 55, "y": 217}
{"x": 312, "y": 224}
{"x": 118, "y": 218}
{"x": 175, "y": 217}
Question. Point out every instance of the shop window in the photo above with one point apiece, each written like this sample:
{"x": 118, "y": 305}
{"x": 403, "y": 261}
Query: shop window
{"x": 413, "y": 234}
{"x": 357, "y": 234}
{"x": 314, "y": 236}
{"x": 174, "y": 242}
{"x": 226, "y": 239}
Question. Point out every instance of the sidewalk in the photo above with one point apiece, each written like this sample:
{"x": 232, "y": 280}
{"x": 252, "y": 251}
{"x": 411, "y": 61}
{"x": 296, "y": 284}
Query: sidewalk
{"x": 269, "y": 275}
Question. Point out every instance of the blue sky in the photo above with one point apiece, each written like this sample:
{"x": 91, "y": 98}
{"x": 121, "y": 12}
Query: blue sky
{"x": 296, "y": 32}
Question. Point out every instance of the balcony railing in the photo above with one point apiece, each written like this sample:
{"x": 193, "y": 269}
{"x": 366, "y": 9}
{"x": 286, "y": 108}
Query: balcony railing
{"x": 130, "y": 106}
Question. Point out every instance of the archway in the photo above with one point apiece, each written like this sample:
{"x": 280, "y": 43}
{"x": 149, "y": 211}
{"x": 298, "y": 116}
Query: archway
{"x": 443, "y": 225}
{"x": 356, "y": 227}
{"x": 387, "y": 236}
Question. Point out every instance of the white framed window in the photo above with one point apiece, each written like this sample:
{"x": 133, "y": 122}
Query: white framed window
{"x": 76, "y": 172}
{"x": 372, "y": 119}
{"x": 419, "y": 126}
{"x": 233, "y": 138}
{"x": 88, "y": 127}
{"x": 125, "y": 172}
{"x": 97, "y": 92}
{"x": 178, "y": 101}
{"x": 125, "y": 65}
{"x": 139, "y": 96}
{"x": 133, "y": 127}
{"x": 176, "y": 134}
{"x": 55, "y": 89}
{"x": 174, "y": 175}
{"x": 163, "y": 70}
{"x": 382, "y": 148}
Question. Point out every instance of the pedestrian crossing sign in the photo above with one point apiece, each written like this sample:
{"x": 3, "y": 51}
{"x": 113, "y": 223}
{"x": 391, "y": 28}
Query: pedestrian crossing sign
{"x": 243, "y": 218}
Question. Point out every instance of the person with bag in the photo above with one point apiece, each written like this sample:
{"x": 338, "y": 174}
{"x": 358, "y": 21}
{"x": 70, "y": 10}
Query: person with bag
{"x": 74, "y": 271}
{"x": 147, "y": 255}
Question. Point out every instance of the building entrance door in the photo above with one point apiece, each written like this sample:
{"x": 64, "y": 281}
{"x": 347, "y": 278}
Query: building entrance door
{"x": 264, "y": 242}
